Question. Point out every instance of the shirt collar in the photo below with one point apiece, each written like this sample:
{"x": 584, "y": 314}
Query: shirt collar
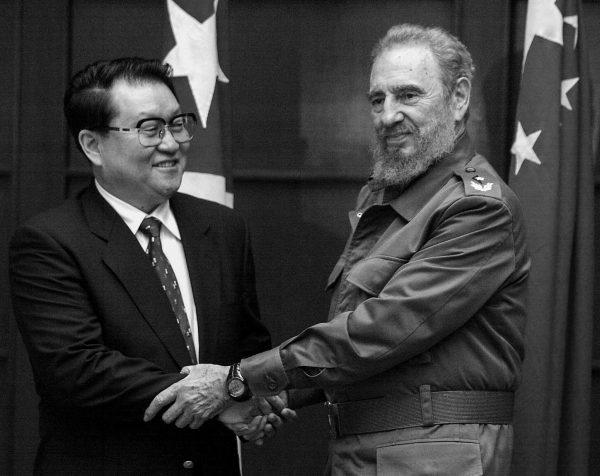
{"x": 411, "y": 200}
{"x": 133, "y": 216}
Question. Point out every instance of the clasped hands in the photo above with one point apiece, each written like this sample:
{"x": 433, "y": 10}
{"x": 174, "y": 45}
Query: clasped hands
{"x": 201, "y": 395}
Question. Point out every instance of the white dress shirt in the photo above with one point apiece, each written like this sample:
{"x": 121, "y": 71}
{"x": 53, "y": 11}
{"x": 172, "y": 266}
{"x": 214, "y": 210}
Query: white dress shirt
{"x": 171, "y": 245}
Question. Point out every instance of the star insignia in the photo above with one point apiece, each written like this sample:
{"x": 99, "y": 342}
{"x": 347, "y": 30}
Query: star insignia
{"x": 195, "y": 55}
{"x": 522, "y": 147}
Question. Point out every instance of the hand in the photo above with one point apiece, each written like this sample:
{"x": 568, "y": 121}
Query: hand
{"x": 245, "y": 420}
{"x": 195, "y": 399}
{"x": 277, "y": 413}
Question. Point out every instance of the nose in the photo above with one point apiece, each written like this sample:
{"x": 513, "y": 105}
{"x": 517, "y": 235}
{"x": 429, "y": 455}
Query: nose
{"x": 168, "y": 142}
{"x": 391, "y": 112}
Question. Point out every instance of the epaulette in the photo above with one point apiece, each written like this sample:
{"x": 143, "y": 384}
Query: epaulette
{"x": 477, "y": 183}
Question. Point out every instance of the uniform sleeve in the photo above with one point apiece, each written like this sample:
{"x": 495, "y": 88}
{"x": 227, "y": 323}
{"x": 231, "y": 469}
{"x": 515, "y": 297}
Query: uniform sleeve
{"x": 73, "y": 367}
{"x": 466, "y": 257}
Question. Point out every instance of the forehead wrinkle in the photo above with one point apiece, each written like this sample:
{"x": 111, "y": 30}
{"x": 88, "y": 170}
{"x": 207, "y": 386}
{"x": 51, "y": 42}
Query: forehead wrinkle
{"x": 407, "y": 69}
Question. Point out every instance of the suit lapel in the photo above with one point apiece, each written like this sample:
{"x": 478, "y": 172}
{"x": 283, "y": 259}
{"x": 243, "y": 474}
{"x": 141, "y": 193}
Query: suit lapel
{"x": 124, "y": 256}
{"x": 203, "y": 263}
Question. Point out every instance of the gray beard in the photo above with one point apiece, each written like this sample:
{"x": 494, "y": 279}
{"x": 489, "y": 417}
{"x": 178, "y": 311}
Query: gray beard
{"x": 391, "y": 167}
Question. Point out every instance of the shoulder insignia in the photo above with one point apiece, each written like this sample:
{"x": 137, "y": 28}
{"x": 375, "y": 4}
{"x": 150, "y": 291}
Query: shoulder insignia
{"x": 482, "y": 187}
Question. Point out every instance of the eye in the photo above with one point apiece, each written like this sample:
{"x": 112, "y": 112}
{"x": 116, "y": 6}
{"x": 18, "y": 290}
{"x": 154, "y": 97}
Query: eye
{"x": 377, "y": 103}
{"x": 408, "y": 97}
{"x": 150, "y": 128}
{"x": 177, "y": 126}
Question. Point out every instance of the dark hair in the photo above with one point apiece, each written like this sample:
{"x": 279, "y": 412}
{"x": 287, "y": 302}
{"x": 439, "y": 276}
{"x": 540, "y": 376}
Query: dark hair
{"x": 87, "y": 99}
{"x": 452, "y": 56}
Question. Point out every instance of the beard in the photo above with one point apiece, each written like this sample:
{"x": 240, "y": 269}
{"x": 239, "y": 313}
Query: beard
{"x": 393, "y": 167}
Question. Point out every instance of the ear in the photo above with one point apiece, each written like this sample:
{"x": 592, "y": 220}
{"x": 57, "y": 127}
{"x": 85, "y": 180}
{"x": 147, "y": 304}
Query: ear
{"x": 90, "y": 145}
{"x": 460, "y": 98}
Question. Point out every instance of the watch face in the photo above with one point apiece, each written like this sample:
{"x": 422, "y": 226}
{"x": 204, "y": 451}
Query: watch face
{"x": 236, "y": 388}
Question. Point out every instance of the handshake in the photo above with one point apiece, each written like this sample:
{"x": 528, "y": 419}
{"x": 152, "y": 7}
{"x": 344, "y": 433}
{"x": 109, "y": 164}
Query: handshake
{"x": 202, "y": 394}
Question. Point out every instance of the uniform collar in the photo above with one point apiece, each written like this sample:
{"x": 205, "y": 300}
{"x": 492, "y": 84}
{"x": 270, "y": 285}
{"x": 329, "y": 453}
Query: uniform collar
{"x": 410, "y": 201}
{"x": 133, "y": 216}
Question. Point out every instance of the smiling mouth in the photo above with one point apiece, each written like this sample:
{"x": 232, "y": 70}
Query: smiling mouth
{"x": 167, "y": 164}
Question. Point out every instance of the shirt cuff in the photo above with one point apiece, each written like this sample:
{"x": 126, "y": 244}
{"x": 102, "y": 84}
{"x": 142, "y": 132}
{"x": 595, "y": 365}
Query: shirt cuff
{"x": 264, "y": 373}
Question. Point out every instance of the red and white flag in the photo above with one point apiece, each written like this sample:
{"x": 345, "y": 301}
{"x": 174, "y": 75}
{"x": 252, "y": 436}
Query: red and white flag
{"x": 196, "y": 49}
{"x": 552, "y": 172}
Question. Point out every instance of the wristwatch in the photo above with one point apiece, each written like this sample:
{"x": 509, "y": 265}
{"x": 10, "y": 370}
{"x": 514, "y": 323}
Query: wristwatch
{"x": 237, "y": 387}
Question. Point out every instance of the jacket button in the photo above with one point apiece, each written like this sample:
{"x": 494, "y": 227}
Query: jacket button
{"x": 188, "y": 464}
{"x": 470, "y": 169}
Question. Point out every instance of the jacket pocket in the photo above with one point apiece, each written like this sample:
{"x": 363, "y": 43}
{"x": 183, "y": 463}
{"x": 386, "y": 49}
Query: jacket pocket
{"x": 372, "y": 274}
{"x": 429, "y": 457}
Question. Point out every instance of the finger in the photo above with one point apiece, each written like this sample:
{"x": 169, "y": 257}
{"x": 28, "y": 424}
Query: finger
{"x": 186, "y": 370}
{"x": 269, "y": 431}
{"x": 173, "y": 412}
{"x": 289, "y": 415}
{"x": 251, "y": 435}
{"x": 165, "y": 397}
{"x": 197, "y": 422}
{"x": 239, "y": 429}
{"x": 263, "y": 405}
{"x": 257, "y": 424}
{"x": 277, "y": 404}
{"x": 183, "y": 420}
{"x": 274, "y": 420}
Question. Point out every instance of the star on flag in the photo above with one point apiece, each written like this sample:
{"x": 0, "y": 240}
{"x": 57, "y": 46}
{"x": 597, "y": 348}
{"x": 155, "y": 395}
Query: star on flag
{"x": 553, "y": 177}
{"x": 195, "y": 55}
{"x": 522, "y": 148}
{"x": 546, "y": 21}
{"x": 565, "y": 87}
{"x": 193, "y": 50}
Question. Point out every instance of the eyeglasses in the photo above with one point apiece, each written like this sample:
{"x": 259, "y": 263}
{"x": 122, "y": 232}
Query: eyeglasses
{"x": 152, "y": 129}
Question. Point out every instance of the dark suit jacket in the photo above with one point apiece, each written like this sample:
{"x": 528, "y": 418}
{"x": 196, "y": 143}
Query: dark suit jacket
{"x": 103, "y": 340}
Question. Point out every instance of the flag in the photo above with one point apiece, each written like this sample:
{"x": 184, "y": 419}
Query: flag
{"x": 196, "y": 47}
{"x": 552, "y": 173}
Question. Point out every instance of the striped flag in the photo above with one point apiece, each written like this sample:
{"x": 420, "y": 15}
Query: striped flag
{"x": 552, "y": 172}
{"x": 196, "y": 48}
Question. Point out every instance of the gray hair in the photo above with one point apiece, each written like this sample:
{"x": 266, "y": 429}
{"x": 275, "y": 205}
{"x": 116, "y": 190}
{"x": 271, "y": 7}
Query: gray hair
{"x": 452, "y": 56}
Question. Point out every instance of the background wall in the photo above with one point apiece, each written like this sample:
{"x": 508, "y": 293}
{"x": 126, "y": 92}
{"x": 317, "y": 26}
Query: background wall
{"x": 300, "y": 134}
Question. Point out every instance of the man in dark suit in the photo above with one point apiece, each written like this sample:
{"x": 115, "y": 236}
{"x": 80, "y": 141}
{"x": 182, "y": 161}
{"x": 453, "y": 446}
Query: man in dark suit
{"x": 89, "y": 279}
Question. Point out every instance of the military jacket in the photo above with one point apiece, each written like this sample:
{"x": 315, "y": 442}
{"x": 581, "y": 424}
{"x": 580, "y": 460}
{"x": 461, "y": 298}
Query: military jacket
{"x": 430, "y": 290}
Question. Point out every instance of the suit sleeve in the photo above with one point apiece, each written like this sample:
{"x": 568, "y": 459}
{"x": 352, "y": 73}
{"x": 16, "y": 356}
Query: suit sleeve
{"x": 73, "y": 367}
{"x": 255, "y": 336}
{"x": 467, "y": 256}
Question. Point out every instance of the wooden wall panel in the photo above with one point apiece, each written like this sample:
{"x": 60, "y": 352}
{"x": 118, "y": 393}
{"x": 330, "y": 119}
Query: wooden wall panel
{"x": 591, "y": 21}
{"x": 32, "y": 166}
{"x": 43, "y": 71}
{"x": 485, "y": 27}
{"x": 300, "y": 75}
{"x": 9, "y": 74}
